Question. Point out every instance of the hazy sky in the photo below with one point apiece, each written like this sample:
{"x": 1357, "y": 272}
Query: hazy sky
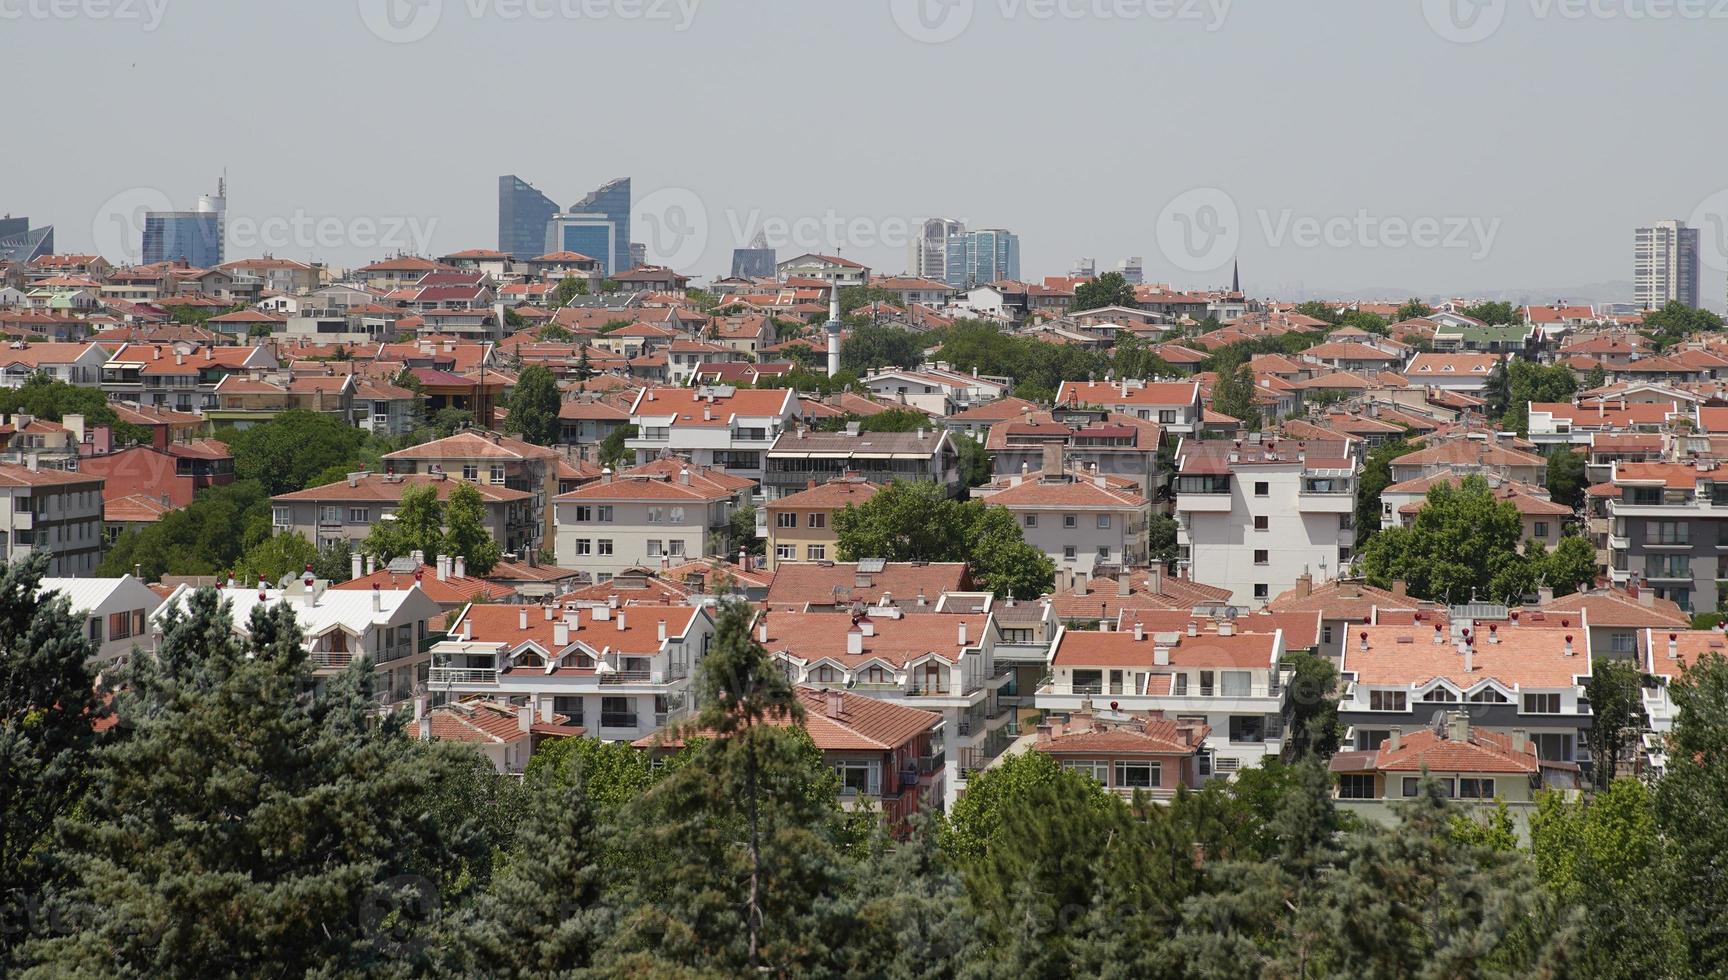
{"x": 1348, "y": 144}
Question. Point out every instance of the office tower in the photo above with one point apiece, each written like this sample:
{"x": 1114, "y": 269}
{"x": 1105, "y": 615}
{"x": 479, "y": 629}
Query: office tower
{"x": 218, "y": 205}
{"x": 638, "y": 255}
{"x": 524, "y": 218}
{"x": 598, "y": 226}
{"x": 755, "y": 262}
{"x": 20, "y": 243}
{"x": 1085, "y": 267}
{"x": 194, "y": 237}
{"x": 927, "y": 254}
{"x": 976, "y": 257}
{"x": 1132, "y": 270}
{"x": 1665, "y": 265}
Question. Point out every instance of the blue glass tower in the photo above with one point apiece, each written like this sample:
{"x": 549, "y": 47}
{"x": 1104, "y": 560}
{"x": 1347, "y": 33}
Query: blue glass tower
{"x": 987, "y": 255}
{"x": 194, "y": 237}
{"x": 523, "y": 217}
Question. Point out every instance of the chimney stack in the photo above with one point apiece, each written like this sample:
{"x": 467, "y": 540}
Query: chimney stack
{"x": 560, "y": 634}
{"x": 1139, "y": 632}
{"x": 1395, "y": 739}
{"x": 377, "y": 597}
{"x": 1568, "y": 644}
{"x": 1673, "y": 646}
{"x": 855, "y": 641}
{"x": 522, "y": 618}
{"x": 356, "y": 566}
{"x": 962, "y": 632}
{"x": 621, "y": 626}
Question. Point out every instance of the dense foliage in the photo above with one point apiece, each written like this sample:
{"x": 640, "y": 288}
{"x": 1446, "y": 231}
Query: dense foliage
{"x": 919, "y": 522}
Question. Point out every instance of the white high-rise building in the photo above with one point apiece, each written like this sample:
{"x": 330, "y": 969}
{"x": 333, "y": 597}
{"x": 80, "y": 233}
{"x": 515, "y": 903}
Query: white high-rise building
{"x": 1132, "y": 269}
{"x": 1665, "y": 265}
{"x": 1085, "y": 267}
{"x": 927, "y": 255}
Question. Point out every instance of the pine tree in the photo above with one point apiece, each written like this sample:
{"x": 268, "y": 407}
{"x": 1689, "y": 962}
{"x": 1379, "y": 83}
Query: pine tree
{"x": 48, "y": 707}
{"x": 534, "y": 406}
{"x": 904, "y": 911}
{"x": 250, "y": 821}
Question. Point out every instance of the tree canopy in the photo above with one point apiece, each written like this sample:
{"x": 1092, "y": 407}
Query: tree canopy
{"x": 534, "y": 406}
{"x": 918, "y": 522}
{"x": 1109, "y": 289}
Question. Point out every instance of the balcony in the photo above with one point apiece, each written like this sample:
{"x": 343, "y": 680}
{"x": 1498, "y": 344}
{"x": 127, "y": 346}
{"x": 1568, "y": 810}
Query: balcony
{"x": 462, "y": 676}
{"x": 614, "y": 719}
{"x": 630, "y": 677}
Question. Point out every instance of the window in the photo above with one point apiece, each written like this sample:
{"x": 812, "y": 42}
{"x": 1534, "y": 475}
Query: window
{"x": 1623, "y": 643}
{"x": 656, "y": 515}
{"x": 1668, "y": 566}
{"x": 819, "y": 520}
{"x": 119, "y": 625}
{"x": 1247, "y": 728}
{"x": 785, "y": 552}
{"x": 1356, "y": 786}
{"x": 1388, "y": 701}
{"x": 1179, "y": 685}
{"x": 1088, "y": 682}
{"x": 1235, "y": 683}
{"x": 1068, "y": 551}
{"x": 1542, "y": 704}
{"x": 1103, "y": 552}
{"x": 359, "y": 515}
{"x": 1262, "y": 522}
{"x": 1326, "y": 634}
{"x": 279, "y": 516}
{"x": 1541, "y": 529}
{"x": 584, "y": 546}
{"x": 1262, "y": 590}
{"x": 1488, "y": 696}
{"x": 1475, "y": 789}
{"x": 1412, "y": 785}
{"x": 1167, "y": 415}
{"x": 816, "y": 552}
{"x": 1097, "y": 769}
{"x": 1440, "y": 693}
{"x": 655, "y": 549}
{"x": 617, "y": 713}
{"x": 1103, "y": 522}
{"x": 603, "y": 546}
{"x": 786, "y": 520}
{"x": 675, "y": 548}
{"x": 1262, "y": 556}
{"x": 1069, "y": 520}
{"x": 329, "y": 514}
{"x": 603, "y": 514}
{"x": 1668, "y": 532}
{"x": 1553, "y": 746}
{"x": 1262, "y": 489}
{"x": 859, "y": 777}
{"x": 137, "y": 622}
{"x": 496, "y": 474}
{"x": 675, "y": 515}
{"x": 470, "y": 471}
{"x": 1031, "y": 520}
{"x": 1138, "y": 775}
{"x": 1370, "y": 739}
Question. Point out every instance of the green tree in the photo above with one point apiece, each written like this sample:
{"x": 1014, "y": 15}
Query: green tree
{"x": 568, "y": 289}
{"x": 870, "y": 347}
{"x": 252, "y": 821}
{"x": 613, "y": 451}
{"x": 741, "y": 533}
{"x": 465, "y": 533}
{"x": 1233, "y": 393}
{"x": 534, "y": 406}
{"x": 978, "y": 820}
{"x": 1319, "y": 310}
{"x": 205, "y": 537}
{"x": 1109, "y": 289}
{"x": 1497, "y": 390}
{"x": 1412, "y": 309}
{"x": 1495, "y": 313}
{"x": 918, "y": 522}
{"x": 852, "y": 297}
{"x": 286, "y": 553}
{"x": 1463, "y": 543}
{"x": 1529, "y": 382}
{"x": 285, "y": 453}
{"x": 895, "y": 420}
{"x": 1363, "y": 320}
{"x": 1676, "y": 321}
{"x": 42, "y": 396}
{"x": 48, "y": 706}
{"x": 449, "y": 420}
{"x": 1161, "y": 537}
{"x": 1692, "y": 814}
{"x": 417, "y": 525}
{"x": 555, "y": 333}
{"x": 1616, "y": 693}
{"x": 1313, "y": 698}
{"x": 1566, "y": 477}
{"x": 1596, "y": 378}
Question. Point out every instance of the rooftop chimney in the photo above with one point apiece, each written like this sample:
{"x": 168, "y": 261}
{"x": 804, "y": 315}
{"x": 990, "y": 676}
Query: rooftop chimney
{"x": 855, "y": 641}
{"x": 836, "y": 703}
{"x": 522, "y": 618}
{"x": 356, "y": 566}
{"x": 1395, "y": 739}
{"x": 661, "y": 632}
{"x": 1568, "y": 644}
{"x": 962, "y": 632}
{"x": 1139, "y": 632}
{"x": 1124, "y": 584}
{"x": 377, "y": 597}
{"x": 620, "y": 620}
{"x": 560, "y": 634}
{"x": 1160, "y": 655}
{"x": 1673, "y": 646}
{"x": 1458, "y": 726}
{"x": 461, "y": 567}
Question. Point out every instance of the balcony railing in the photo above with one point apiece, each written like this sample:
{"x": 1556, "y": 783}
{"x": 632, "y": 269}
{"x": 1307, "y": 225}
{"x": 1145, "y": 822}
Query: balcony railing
{"x": 614, "y": 719}
{"x": 627, "y": 677}
{"x": 461, "y": 675}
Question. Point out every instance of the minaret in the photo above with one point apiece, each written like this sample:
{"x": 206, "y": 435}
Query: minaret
{"x": 1236, "y": 275}
{"x": 833, "y": 327}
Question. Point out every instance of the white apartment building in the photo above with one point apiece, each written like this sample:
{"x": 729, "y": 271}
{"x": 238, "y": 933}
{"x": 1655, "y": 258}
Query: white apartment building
{"x": 116, "y": 612}
{"x": 937, "y": 661}
{"x": 936, "y": 389}
{"x": 1230, "y": 681}
{"x": 1175, "y": 405}
{"x": 55, "y": 511}
{"x": 390, "y": 627}
{"x": 664, "y": 511}
{"x": 1254, "y": 516}
{"x": 715, "y": 426}
{"x": 1079, "y": 520}
{"x": 621, "y": 672}
{"x": 1665, "y": 265}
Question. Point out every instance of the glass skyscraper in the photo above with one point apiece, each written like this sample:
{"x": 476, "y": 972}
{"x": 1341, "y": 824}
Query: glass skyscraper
{"x": 20, "y": 243}
{"x": 987, "y": 255}
{"x": 524, "y": 216}
{"x": 598, "y": 226}
{"x": 194, "y": 237}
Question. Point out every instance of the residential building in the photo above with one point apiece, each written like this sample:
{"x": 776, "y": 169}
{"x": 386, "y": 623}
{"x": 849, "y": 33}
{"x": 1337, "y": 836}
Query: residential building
{"x": 504, "y": 733}
{"x": 1080, "y": 520}
{"x": 1511, "y": 675}
{"x": 1666, "y": 521}
{"x": 1665, "y": 265}
{"x": 1470, "y": 765}
{"x": 1619, "y": 621}
{"x": 800, "y": 525}
{"x": 976, "y": 257}
{"x": 53, "y": 511}
{"x": 445, "y": 581}
{"x": 1229, "y": 682}
{"x": 347, "y": 509}
{"x": 393, "y": 630}
{"x": 830, "y": 269}
{"x": 181, "y": 376}
{"x": 1094, "y": 441}
{"x": 667, "y": 510}
{"x": 1254, "y": 516}
{"x": 75, "y": 364}
{"x": 620, "y": 672}
{"x": 803, "y": 456}
{"x": 115, "y": 611}
{"x": 1174, "y": 405}
{"x": 935, "y": 389}
{"x": 938, "y": 662}
{"x": 1129, "y": 754}
{"x": 1467, "y": 373}
{"x": 715, "y": 426}
{"x": 1342, "y": 604}
{"x": 833, "y": 586}
{"x": 1543, "y": 520}
{"x": 1481, "y": 454}
{"x": 498, "y": 461}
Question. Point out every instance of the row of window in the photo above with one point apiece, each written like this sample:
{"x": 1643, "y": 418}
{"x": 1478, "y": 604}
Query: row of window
{"x": 790, "y": 520}
{"x": 120, "y": 626}
{"x": 1547, "y": 703}
{"x": 1360, "y": 786}
{"x": 1069, "y": 521}
{"x": 789, "y": 552}
{"x": 1129, "y": 775}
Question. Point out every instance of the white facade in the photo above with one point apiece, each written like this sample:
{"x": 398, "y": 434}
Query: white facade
{"x": 116, "y": 611}
{"x": 1256, "y": 530}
